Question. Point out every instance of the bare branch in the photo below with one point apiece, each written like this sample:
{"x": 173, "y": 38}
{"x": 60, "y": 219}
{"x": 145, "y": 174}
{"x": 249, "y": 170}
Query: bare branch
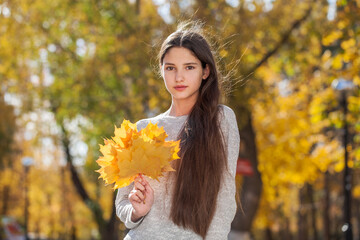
{"x": 283, "y": 40}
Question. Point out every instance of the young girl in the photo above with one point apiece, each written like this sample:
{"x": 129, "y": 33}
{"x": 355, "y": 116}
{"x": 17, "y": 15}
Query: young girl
{"x": 197, "y": 201}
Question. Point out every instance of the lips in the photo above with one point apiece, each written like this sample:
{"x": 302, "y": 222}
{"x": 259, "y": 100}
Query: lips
{"x": 180, "y": 87}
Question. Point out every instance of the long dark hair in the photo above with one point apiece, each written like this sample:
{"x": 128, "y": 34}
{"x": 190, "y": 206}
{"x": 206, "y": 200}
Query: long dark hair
{"x": 199, "y": 172}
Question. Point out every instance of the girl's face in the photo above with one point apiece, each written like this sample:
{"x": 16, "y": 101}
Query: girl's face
{"x": 183, "y": 74}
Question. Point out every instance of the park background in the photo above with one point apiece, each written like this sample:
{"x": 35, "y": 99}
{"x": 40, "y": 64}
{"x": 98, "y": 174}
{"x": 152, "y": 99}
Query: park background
{"x": 72, "y": 69}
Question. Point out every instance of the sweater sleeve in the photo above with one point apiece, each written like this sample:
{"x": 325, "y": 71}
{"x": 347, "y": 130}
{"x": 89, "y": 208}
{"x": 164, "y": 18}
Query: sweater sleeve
{"x": 226, "y": 202}
{"x": 124, "y": 208}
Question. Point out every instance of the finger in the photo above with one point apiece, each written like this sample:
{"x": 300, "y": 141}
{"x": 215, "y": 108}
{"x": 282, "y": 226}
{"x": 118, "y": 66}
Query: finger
{"x": 149, "y": 191}
{"x": 138, "y": 178}
{"x": 143, "y": 180}
{"x": 139, "y": 186}
{"x": 135, "y": 198}
{"x": 140, "y": 195}
{"x": 148, "y": 188}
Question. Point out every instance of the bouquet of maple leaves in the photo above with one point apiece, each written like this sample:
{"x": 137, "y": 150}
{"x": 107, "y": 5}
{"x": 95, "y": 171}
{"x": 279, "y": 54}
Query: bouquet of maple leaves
{"x": 131, "y": 153}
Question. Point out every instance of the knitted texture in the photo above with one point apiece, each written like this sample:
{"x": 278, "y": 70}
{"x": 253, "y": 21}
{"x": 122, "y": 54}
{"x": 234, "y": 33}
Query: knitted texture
{"x": 156, "y": 225}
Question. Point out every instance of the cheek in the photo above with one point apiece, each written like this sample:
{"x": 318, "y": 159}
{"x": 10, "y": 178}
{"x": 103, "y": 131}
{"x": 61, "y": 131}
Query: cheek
{"x": 166, "y": 78}
{"x": 196, "y": 78}
{"x": 169, "y": 77}
{"x": 166, "y": 81}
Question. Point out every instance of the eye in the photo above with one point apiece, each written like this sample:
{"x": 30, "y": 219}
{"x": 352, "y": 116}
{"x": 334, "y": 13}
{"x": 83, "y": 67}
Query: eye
{"x": 190, "y": 67}
{"x": 169, "y": 68}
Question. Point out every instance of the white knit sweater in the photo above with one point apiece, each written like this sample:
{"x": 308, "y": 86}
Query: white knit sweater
{"x": 156, "y": 225}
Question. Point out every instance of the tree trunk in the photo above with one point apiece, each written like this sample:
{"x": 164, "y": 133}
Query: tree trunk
{"x": 285, "y": 232}
{"x": 357, "y": 215}
{"x": 111, "y": 229}
{"x": 73, "y": 233}
{"x": 137, "y": 6}
{"x": 302, "y": 217}
{"x": 252, "y": 185}
{"x": 326, "y": 207}
{"x": 310, "y": 194}
{"x": 268, "y": 234}
{"x": 107, "y": 229}
{"x": 6, "y": 193}
{"x": 251, "y": 188}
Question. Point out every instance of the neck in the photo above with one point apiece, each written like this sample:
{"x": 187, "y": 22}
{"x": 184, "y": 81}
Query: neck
{"x": 180, "y": 108}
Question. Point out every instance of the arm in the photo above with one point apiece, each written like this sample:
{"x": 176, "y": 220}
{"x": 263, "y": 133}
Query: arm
{"x": 226, "y": 203}
{"x": 132, "y": 207}
{"x": 124, "y": 208}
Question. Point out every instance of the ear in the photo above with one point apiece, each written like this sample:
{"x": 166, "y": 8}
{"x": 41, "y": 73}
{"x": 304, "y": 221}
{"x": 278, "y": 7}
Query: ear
{"x": 206, "y": 72}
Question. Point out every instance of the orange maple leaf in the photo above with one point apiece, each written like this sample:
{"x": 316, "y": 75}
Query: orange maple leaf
{"x": 131, "y": 152}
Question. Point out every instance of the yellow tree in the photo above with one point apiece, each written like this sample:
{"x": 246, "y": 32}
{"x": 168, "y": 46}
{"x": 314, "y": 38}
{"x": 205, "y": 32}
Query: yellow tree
{"x": 297, "y": 122}
{"x": 82, "y": 61}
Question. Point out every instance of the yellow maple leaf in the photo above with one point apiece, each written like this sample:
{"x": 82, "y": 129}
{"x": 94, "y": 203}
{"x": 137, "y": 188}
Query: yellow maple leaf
{"x": 123, "y": 135}
{"x": 153, "y": 132}
{"x": 131, "y": 152}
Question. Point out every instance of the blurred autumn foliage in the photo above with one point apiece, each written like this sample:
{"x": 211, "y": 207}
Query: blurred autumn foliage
{"x": 71, "y": 70}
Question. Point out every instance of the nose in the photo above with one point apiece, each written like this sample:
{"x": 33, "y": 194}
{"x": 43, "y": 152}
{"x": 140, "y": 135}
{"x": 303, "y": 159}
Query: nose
{"x": 179, "y": 77}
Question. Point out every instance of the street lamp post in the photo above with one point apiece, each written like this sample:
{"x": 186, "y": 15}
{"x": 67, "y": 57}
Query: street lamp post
{"x": 26, "y": 162}
{"x": 343, "y": 86}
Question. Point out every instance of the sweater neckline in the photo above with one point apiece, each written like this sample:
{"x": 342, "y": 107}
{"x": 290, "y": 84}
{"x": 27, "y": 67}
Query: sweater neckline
{"x": 167, "y": 115}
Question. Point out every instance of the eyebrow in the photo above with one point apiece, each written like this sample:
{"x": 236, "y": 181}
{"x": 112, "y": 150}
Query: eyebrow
{"x": 190, "y": 63}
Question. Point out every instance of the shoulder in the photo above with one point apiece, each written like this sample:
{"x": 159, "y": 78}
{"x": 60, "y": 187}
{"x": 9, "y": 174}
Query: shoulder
{"x": 228, "y": 123}
{"x": 227, "y": 114}
{"x": 144, "y": 122}
{"x": 163, "y": 120}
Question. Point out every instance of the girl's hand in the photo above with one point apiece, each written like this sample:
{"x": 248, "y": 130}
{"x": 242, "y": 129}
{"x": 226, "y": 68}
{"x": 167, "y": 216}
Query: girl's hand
{"x": 141, "y": 198}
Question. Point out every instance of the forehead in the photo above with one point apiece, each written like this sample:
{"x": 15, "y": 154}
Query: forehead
{"x": 180, "y": 55}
